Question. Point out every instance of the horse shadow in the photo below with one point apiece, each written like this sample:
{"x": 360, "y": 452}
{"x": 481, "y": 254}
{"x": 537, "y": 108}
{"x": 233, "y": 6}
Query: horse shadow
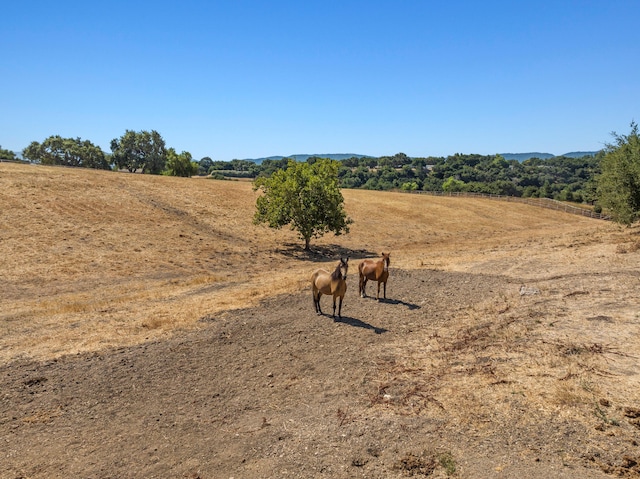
{"x": 410, "y": 306}
{"x": 322, "y": 253}
{"x": 356, "y": 323}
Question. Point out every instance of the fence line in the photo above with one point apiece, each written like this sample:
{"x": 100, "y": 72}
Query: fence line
{"x": 540, "y": 202}
{"x": 7, "y": 160}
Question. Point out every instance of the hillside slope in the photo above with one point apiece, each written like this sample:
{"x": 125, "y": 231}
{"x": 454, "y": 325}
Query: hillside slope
{"x": 149, "y": 254}
{"x": 149, "y": 329}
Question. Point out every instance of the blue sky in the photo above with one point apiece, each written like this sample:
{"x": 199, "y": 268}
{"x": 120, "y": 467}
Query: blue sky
{"x": 248, "y": 79}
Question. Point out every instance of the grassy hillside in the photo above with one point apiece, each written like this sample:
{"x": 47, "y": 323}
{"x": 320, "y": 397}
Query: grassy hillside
{"x": 95, "y": 258}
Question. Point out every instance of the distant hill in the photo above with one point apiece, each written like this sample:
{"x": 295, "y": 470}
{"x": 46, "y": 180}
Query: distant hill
{"x": 344, "y": 156}
{"x": 544, "y": 156}
{"x": 580, "y": 154}
{"x": 301, "y": 157}
{"x": 526, "y": 156}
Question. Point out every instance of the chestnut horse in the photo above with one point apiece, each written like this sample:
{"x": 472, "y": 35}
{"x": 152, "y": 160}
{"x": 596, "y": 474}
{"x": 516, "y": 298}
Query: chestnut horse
{"x": 376, "y": 271}
{"x": 323, "y": 282}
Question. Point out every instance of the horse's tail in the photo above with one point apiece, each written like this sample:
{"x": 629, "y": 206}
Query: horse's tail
{"x": 314, "y": 286}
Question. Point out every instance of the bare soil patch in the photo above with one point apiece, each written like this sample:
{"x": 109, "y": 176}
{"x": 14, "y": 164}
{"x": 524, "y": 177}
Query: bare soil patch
{"x": 148, "y": 329}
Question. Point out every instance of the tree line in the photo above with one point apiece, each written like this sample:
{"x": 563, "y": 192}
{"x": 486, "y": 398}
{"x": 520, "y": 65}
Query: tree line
{"x": 609, "y": 179}
{"x": 142, "y": 151}
{"x": 561, "y": 178}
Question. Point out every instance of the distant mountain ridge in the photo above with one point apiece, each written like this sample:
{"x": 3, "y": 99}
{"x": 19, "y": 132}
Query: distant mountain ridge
{"x": 344, "y": 156}
{"x": 305, "y": 157}
{"x": 544, "y": 156}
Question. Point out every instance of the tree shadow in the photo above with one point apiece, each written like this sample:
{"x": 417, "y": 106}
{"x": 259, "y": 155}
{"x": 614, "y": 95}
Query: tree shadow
{"x": 322, "y": 253}
{"x": 356, "y": 323}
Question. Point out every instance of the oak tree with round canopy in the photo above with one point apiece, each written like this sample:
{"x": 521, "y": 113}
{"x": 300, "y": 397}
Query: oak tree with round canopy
{"x": 143, "y": 150}
{"x": 306, "y": 197}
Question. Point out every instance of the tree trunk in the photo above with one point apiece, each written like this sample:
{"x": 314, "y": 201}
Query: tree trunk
{"x": 306, "y": 244}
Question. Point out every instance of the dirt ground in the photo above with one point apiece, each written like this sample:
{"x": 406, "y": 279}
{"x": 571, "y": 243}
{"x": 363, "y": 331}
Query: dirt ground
{"x": 510, "y": 350}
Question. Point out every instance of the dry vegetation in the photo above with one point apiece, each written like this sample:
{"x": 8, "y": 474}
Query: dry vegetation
{"x": 516, "y": 316}
{"x": 92, "y": 259}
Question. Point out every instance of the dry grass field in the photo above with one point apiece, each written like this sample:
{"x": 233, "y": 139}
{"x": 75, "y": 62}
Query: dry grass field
{"x": 508, "y": 346}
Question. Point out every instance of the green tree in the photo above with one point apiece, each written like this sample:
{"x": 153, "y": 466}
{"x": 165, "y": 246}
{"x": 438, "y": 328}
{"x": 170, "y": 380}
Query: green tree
{"x": 180, "y": 164}
{"x": 372, "y": 184}
{"x": 352, "y": 162}
{"x": 400, "y": 159}
{"x": 304, "y": 196}
{"x": 241, "y": 165}
{"x": 420, "y": 165}
{"x": 452, "y": 185}
{"x": 7, "y": 154}
{"x": 619, "y": 183}
{"x": 142, "y": 150}
{"x": 530, "y": 192}
{"x": 269, "y": 167}
{"x": 546, "y": 191}
{"x": 204, "y": 165}
{"x": 431, "y": 183}
{"x": 385, "y": 162}
{"x": 409, "y": 186}
{"x": 56, "y": 150}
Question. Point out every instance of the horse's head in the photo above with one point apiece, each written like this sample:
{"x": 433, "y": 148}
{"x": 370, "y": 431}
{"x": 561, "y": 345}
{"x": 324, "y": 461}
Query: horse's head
{"x": 386, "y": 261}
{"x": 341, "y": 269}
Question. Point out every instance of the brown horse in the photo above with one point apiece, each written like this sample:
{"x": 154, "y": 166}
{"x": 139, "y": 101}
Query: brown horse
{"x": 323, "y": 282}
{"x": 376, "y": 271}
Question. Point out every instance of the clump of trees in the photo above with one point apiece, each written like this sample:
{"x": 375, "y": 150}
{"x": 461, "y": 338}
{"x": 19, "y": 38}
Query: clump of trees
{"x": 7, "y": 155}
{"x": 619, "y": 183}
{"x": 180, "y": 164}
{"x": 56, "y": 150}
{"x": 561, "y": 178}
{"x": 144, "y": 151}
{"x": 305, "y": 196}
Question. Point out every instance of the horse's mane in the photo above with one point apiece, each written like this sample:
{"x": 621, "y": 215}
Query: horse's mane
{"x": 336, "y": 272}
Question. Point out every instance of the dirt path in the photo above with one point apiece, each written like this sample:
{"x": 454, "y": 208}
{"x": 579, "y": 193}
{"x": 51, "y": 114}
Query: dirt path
{"x": 456, "y": 374}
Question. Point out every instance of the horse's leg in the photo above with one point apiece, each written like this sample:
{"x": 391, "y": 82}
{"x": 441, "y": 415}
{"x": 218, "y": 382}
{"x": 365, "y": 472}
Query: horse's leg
{"x": 364, "y": 286}
{"x": 360, "y": 290}
{"x": 385, "y": 290}
{"x": 316, "y": 302}
{"x": 340, "y": 308}
{"x": 315, "y": 305}
{"x": 334, "y": 307}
